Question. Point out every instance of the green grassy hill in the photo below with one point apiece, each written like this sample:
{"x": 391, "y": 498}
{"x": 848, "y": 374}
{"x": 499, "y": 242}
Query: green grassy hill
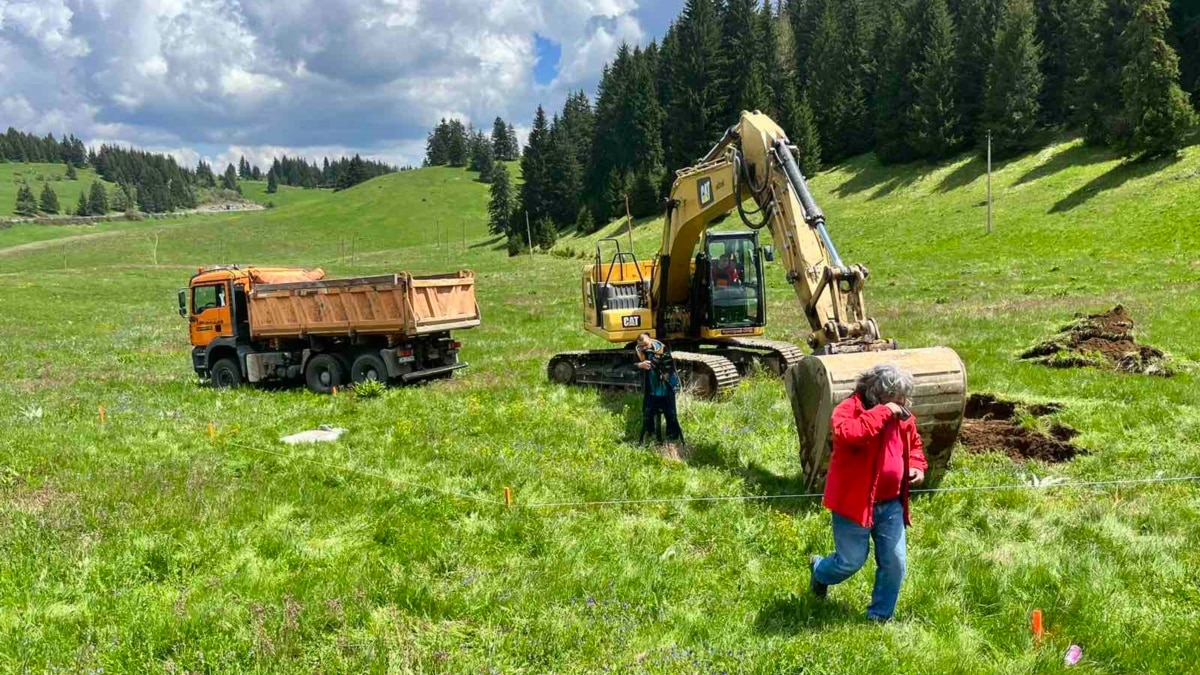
{"x": 12, "y": 176}
{"x": 143, "y": 544}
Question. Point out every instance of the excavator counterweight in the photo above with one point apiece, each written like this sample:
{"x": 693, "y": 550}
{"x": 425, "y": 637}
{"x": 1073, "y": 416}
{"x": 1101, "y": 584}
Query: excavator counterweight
{"x": 704, "y": 295}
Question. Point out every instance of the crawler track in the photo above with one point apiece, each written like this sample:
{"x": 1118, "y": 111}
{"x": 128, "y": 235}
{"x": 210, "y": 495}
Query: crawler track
{"x": 707, "y": 375}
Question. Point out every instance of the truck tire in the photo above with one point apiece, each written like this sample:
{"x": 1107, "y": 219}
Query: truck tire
{"x": 226, "y": 374}
{"x": 368, "y": 367}
{"x": 324, "y": 372}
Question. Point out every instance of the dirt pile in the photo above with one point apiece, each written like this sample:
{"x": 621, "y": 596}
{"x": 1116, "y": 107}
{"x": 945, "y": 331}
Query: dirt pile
{"x": 1100, "y": 341}
{"x": 995, "y": 424}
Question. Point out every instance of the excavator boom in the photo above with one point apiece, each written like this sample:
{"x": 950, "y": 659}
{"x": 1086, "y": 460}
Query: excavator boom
{"x": 710, "y": 305}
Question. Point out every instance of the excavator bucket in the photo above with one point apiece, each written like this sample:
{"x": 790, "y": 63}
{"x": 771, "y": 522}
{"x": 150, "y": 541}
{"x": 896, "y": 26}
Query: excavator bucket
{"x": 818, "y": 383}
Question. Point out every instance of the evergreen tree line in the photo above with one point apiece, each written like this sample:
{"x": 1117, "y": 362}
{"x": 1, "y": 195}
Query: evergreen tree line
{"x": 451, "y": 143}
{"x": 16, "y": 146}
{"x": 909, "y": 80}
{"x": 96, "y": 201}
{"x": 154, "y": 183}
{"x": 339, "y": 174}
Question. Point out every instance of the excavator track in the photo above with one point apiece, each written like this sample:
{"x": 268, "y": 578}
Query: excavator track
{"x": 779, "y": 355}
{"x": 706, "y": 375}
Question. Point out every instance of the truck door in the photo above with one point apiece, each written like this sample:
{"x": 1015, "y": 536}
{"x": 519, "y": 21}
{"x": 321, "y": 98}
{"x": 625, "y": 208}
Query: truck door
{"x": 210, "y": 317}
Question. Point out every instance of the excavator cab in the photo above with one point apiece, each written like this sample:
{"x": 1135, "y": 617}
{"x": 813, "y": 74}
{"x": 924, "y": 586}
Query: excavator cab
{"x": 731, "y": 293}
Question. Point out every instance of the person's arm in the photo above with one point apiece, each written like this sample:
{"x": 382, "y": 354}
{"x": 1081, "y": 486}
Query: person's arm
{"x": 856, "y": 430}
{"x": 917, "y": 464}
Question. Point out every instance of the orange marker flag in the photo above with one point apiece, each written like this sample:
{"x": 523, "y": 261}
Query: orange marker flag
{"x": 1038, "y": 629}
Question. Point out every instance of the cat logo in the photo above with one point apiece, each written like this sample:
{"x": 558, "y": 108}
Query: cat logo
{"x": 706, "y": 192}
{"x": 634, "y": 321}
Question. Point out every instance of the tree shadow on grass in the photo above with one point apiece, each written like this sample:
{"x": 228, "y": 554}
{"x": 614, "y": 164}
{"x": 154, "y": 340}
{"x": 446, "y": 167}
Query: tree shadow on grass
{"x": 1112, "y": 179}
{"x": 496, "y": 242}
{"x": 1079, "y": 154}
{"x": 969, "y": 172}
{"x": 801, "y": 612}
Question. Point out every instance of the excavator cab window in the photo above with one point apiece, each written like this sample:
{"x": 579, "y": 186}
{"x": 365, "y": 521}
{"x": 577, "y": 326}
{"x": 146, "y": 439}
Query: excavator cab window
{"x": 735, "y": 280}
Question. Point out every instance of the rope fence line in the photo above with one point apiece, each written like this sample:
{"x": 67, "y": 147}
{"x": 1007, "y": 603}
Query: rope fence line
{"x": 813, "y": 495}
{"x": 509, "y": 501}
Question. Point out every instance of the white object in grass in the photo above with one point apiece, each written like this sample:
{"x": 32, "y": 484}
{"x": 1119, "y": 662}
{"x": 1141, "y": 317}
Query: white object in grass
{"x": 322, "y": 434}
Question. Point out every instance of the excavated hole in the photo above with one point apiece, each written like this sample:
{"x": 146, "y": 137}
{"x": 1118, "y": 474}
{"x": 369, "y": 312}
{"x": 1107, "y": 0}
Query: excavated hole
{"x": 993, "y": 424}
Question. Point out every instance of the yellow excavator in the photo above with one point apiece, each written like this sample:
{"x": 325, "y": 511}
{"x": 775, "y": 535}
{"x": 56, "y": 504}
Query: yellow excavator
{"x": 704, "y": 295}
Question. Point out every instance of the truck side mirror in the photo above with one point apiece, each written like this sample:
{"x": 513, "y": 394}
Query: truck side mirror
{"x": 768, "y": 253}
{"x": 183, "y": 302}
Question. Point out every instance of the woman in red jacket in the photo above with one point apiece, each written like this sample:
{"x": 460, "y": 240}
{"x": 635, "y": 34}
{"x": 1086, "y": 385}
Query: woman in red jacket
{"x": 876, "y": 456}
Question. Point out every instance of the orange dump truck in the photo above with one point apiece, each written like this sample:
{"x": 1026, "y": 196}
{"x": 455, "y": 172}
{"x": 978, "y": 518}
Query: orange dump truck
{"x": 259, "y": 324}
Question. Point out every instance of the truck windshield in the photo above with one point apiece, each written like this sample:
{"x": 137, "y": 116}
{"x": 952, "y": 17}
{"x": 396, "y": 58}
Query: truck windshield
{"x": 207, "y": 297}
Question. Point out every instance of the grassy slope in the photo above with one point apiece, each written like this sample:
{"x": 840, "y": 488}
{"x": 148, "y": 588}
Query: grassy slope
{"x": 13, "y": 175}
{"x": 140, "y": 544}
{"x": 285, "y": 195}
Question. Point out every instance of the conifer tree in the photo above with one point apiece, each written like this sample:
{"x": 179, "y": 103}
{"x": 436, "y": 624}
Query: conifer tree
{"x": 1155, "y": 105}
{"x": 81, "y": 207}
{"x": 696, "y": 105}
{"x": 118, "y": 200}
{"x": 514, "y": 145}
{"x": 739, "y": 55}
{"x": 27, "y": 204}
{"x": 437, "y": 145}
{"x": 485, "y": 163}
{"x": 97, "y": 203}
{"x": 501, "y": 205}
{"x": 564, "y": 175}
{"x": 893, "y": 91}
{"x": 49, "y": 200}
{"x": 500, "y": 140}
{"x": 801, "y": 128}
{"x": 1185, "y": 18}
{"x": 71, "y": 175}
{"x": 272, "y": 183}
{"x": 1103, "y": 108}
{"x": 933, "y": 118}
{"x": 535, "y": 169}
{"x": 457, "y": 144}
{"x": 584, "y": 223}
{"x": 229, "y": 180}
{"x": 1014, "y": 82}
{"x": 978, "y": 22}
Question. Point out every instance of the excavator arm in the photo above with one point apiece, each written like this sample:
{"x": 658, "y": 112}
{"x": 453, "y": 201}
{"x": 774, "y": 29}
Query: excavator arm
{"x": 755, "y": 162}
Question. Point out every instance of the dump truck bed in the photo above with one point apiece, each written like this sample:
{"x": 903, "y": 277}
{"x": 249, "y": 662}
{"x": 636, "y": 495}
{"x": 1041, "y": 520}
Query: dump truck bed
{"x": 394, "y": 304}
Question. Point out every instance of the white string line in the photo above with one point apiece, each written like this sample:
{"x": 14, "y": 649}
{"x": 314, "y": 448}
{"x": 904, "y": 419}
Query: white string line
{"x": 368, "y": 474}
{"x": 728, "y": 498}
{"x": 811, "y": 495}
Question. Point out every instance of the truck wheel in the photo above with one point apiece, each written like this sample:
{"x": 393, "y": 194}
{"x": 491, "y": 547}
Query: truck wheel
{"x": 225, "y": 374}
{"x": 324, "y": 372}
{"x": 368, "y": 367}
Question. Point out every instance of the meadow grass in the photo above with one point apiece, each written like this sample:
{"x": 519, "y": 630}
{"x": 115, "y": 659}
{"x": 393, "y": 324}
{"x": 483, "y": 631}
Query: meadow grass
{"x": 13, "y": 175}
{"x": 142, "y": 545}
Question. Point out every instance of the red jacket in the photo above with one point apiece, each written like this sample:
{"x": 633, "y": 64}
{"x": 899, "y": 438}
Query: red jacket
{"x": 858, "y": 447}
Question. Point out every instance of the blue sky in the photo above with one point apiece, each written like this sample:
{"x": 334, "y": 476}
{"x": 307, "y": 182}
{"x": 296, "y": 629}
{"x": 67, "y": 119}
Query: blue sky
{"x": 223, "y": 78}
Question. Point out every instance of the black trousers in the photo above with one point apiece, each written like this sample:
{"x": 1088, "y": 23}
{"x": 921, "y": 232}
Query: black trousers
{"x": 652, "y": 407}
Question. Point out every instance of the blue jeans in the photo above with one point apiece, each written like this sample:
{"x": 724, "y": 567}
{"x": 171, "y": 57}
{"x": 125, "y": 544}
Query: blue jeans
{"x": 850, "y": 541}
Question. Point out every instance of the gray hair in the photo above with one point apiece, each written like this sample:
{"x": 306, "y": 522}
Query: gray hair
{"x": 885, "y": 381}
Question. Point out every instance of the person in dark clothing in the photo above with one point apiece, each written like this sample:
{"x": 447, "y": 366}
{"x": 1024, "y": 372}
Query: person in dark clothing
{"x": 659, "y": 384}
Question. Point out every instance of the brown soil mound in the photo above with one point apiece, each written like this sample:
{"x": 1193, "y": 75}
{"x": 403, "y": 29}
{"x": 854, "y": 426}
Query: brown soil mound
{"x": 1102, "y": 341}
{"x": 991, "y": 424}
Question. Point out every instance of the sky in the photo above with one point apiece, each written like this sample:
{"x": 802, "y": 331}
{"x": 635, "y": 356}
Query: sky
{"x": 220, "y": 79}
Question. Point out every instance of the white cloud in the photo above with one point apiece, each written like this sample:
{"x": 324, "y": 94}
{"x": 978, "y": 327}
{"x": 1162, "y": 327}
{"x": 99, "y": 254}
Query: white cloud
{"x": 313, "y": 77}
{"x": 238, "y": 82}
{"x": 47, "y": 22}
